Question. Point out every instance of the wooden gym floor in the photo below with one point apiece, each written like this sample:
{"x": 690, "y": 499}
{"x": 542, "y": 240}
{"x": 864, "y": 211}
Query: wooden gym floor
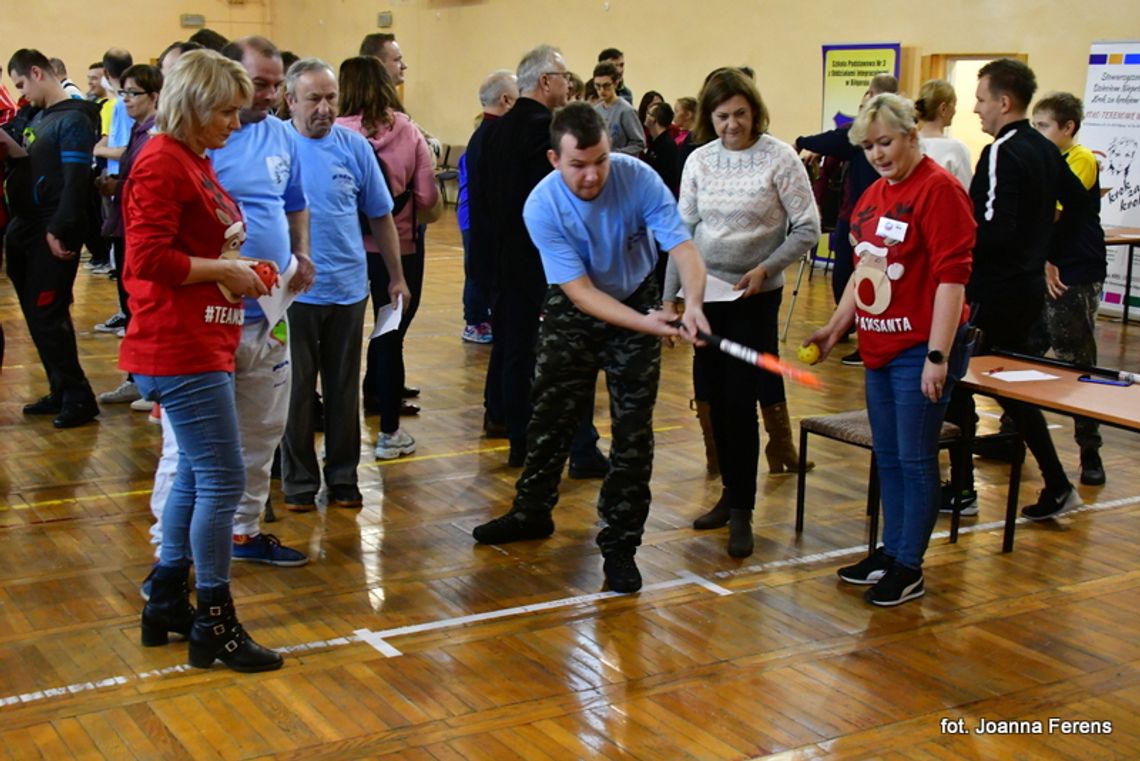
{"x": 406, "y": 640}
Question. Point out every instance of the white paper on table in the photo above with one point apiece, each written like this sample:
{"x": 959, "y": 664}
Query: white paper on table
{"x": 388, "y": 318}
{"x": 277, "y": 302}
{"x": 1020, "y": 376}
{"x": 717, "y": 290}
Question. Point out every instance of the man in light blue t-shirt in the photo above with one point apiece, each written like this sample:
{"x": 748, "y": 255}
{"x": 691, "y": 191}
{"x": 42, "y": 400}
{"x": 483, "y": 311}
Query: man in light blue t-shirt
{"x": 342, "y": 181}
{"x": 259, "y": 167}
{"x": 594, "y": 221}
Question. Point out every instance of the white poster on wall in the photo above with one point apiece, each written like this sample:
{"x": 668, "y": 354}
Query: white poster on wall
{"x": 1111, "y": 129}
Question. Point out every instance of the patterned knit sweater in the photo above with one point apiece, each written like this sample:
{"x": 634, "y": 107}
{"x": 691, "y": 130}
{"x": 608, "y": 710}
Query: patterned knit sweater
{"x": 746, "y": 207}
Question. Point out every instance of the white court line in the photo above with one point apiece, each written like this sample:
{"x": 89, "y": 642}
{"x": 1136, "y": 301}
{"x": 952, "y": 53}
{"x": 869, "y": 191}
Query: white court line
{"x": 378, "y": 640}
{"x": 375, "y": 641}
{"x": 862, "y": 548}
{"x": 701, "y": 581}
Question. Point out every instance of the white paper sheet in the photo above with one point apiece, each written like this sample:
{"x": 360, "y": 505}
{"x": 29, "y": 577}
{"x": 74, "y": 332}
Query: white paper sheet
{"x": 717, "y": 290}
{"x": 388, "y": 318}
{"x": 280, "y": 297}
{"x": 1021, "y": 376}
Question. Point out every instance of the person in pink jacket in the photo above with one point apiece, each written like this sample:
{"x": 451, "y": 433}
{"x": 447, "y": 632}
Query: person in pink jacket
{"x": 369, "y": 105}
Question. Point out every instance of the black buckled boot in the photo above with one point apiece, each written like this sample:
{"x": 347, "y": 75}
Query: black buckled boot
{"x": 168, "y": 609}
{"x": 217, "y": 635}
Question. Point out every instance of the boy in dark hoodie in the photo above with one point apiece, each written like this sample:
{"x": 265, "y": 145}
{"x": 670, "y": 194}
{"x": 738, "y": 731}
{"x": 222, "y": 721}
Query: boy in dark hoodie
{"x": 47, "y": 193}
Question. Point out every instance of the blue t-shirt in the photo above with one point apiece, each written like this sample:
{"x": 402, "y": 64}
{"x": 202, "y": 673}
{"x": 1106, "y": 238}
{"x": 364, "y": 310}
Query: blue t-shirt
{"x": 341, "y": 177}
{"x": 120, "y": 135}
{"x": 609, "y": 238}
{"x": 260, "y": 170}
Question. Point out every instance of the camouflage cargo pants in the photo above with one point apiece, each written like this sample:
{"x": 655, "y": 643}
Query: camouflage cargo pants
{"x": 572, "y": 348}
{"x": 1068, "y": 327}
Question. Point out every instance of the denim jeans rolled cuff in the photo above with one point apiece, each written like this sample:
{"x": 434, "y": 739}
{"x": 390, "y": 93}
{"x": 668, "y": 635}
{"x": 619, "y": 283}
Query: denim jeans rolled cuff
{"x": 198, "y": 519}
{"x": 905, "y": 426}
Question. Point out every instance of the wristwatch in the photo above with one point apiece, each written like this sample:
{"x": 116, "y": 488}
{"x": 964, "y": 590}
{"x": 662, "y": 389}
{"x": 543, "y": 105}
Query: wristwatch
{"x": 936, "y": 357}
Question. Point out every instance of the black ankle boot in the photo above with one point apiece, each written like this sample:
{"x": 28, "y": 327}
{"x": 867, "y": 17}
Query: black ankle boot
{"x": 168, "y": 609}
{"x": 217, "y": 635}
{"x": 740, "y": 533}
{"x": 715, "y": 518}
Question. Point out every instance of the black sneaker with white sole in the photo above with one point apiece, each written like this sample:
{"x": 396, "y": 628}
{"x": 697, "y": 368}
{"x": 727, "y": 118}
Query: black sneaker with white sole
{"x": 1051, "y": 503}
{"x": 969, "y": 501}
{"x": 898, "y": 585}
{"x": 868, "y": 570}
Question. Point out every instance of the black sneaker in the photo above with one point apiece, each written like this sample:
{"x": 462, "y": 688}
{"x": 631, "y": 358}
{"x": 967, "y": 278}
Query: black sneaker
{"x": 596, "y": 465}
{"x": 305, "y": 502}
{"x": 74, "y": 414}
{"x": 1050, "y": 504}
{"x": 46, "y": 405}
{"x": 854, "y": 359}
{"x": 993, "y": 449}
{"x": 345, "y": 495}
{"x": 1092, "y": 469}
{"x": 969, "y": 501}
{"x": 868, "y": 570}
{"x": 621, "y": 573}
{"x": 515, "y": 526}
{"x": 898, "y": 585}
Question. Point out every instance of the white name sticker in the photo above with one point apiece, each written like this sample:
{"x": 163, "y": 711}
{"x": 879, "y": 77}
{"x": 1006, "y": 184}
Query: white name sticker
{"x": 891, "y": 229}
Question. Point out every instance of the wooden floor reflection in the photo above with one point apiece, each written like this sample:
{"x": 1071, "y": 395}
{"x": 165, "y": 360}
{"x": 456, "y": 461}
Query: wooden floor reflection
{"x": 715, "y": 659}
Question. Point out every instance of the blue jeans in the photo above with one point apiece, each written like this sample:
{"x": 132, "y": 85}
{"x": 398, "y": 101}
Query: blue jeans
{"x": 905, "y": 426}
{"x": 198, "y": 521}
{"x": 476, "y": 300}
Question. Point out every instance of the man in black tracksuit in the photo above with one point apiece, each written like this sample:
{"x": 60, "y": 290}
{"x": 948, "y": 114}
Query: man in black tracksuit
{"x": 1019, "y": 179}
{"x": 48, "y": 192}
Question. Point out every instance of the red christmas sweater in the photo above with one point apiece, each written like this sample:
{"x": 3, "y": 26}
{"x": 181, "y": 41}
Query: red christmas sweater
{"x": 174, "y": 208}
{"x": 908, "y": 237}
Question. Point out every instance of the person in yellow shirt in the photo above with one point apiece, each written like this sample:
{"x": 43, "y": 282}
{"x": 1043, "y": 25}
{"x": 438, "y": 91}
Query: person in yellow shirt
{"x": 1075, "y": 270}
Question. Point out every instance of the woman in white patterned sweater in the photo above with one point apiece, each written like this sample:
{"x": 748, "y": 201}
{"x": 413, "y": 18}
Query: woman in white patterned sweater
{"x": 749, "y": 201}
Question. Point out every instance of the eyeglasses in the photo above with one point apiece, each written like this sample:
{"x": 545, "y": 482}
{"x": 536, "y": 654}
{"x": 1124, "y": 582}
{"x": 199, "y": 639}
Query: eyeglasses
{"x": 128, "y": 94}
{"x": 564, "y": 74}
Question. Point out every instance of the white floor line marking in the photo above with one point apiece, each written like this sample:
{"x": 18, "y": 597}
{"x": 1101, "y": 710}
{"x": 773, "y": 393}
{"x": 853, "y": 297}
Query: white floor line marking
{"x": 491, "y": 615}
{"x": 703, "y": 582}
{"x": 378, "y": 640}
{"x": 374, "y": 640}
{"x": 862, "y": 548}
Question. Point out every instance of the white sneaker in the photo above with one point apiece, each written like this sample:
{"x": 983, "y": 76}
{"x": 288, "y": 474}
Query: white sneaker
{"x": 391, "y": 445}
{"x": 141, "y": 405}
{"x": 126, "y": 392}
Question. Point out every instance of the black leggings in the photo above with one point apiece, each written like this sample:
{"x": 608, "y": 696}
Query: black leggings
{"x": 384, "y": 376}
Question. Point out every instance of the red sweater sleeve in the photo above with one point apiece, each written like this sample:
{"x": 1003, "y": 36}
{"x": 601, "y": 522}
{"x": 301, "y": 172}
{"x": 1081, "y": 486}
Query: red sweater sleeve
{"x": 157, "y": 191}
{"x": 950, "y": 231}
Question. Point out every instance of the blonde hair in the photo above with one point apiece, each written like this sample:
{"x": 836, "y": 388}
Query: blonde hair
{"x": 894, "y": 111}
{"x": 931, "y": 96}
{"x": 200, "y": 83}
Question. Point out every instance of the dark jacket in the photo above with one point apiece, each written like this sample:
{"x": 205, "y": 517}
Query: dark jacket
{"x": 1078, "y": 247}
{"x": 502, "y": 175}
{"x": 665, "y": 158}
{"x": 51, "y": 187}
{"x": 1018, "y": 181}
{"x": 860, "y": 174}
{"x": 480, "y": 229}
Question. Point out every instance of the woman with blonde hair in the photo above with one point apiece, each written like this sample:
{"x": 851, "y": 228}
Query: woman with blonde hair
{"x": 936, "y": 105}
{"x": 185, "y": 285}
{"x": 913, "y": 231}
{"x": 369, "y": 105}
